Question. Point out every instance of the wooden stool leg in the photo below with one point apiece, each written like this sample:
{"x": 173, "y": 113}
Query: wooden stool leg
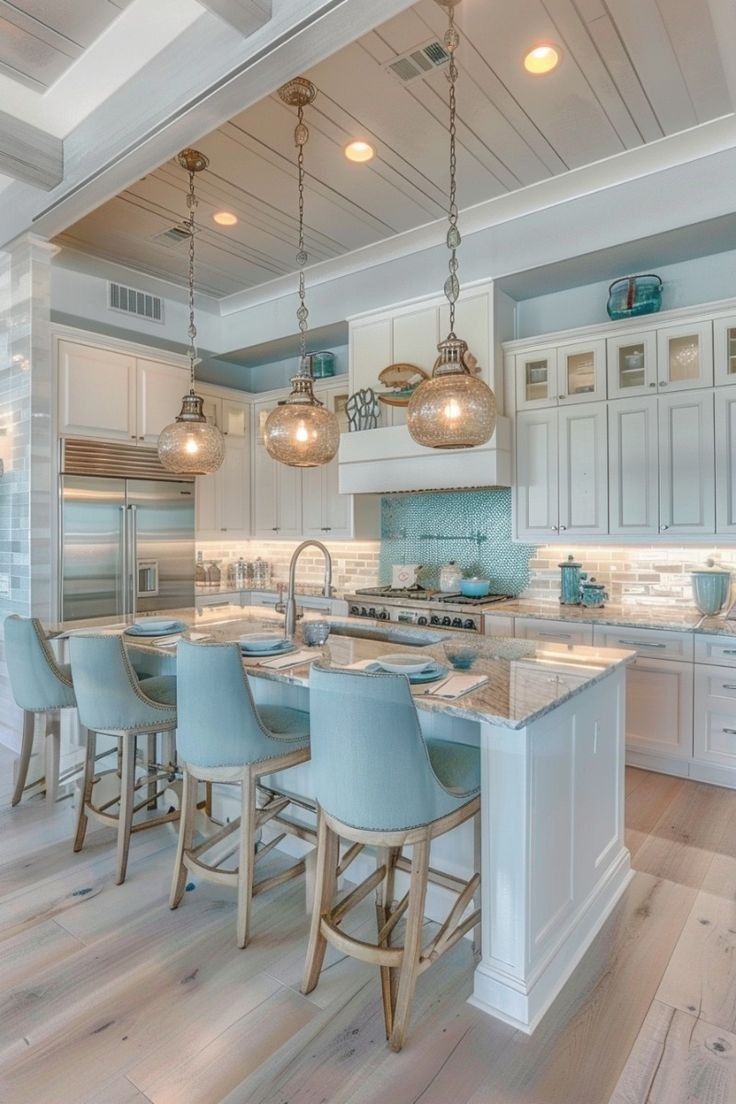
{"x": 384, "y": 902}
{"x": 247, "y": 854}
{"x": 26, "y": 749}
{"x": 477, "y": 948}
{"x": 52, "y": 755}
{"x": 328, "y": 850}
{"x": 85, "y": 795}
{"x": 188, "y": 813}
{"x": 412, "y": 944}
{"x": 127, "y": 799}
{"x": 151, "y": 767}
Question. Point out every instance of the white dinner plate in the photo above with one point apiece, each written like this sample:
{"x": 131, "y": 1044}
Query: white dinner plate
{"x": 261, "y": 642}
{"x": 405, "y": 663}
{"x": 156, "y": 624}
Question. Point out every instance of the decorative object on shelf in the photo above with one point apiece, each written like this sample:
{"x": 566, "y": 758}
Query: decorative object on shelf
{"x": 362, "y": 410}
{"x": 711, "y": 588}
{"x": 190, "y": 445}
{"x": 403, "y": 379}
{"x": 301, "y": 432}
{"x": 450, "y": 577}
{"x": 634, "y": 295}
{"x": 261, "y": 574}
{"x": 453, "y": 409}
{"x": 572, "y": 576}
{"x": 404, "y": 576}
{"x": 593, "y": 595}
{"x": 323, "y": 364}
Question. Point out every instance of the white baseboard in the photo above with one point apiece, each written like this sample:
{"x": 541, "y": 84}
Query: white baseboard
{"x": 684, "y": 768}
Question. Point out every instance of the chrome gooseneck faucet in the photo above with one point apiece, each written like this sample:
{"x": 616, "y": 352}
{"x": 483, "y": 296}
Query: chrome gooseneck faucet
{"x": 290, "y": 607}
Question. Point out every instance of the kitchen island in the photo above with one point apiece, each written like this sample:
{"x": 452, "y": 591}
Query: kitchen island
{"x": 549, "y": 723}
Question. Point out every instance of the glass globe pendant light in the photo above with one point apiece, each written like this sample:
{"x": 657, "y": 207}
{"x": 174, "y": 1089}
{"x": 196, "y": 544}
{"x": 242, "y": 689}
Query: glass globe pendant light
{"x": 301, "y": 432}
{"x": 190, "y": 445}
{"x": 453, "y": 409}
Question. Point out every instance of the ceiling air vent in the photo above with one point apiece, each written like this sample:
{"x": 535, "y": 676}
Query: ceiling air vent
{"x": 418, "y": 62}
{"x": 131, "y": 301}
{"x": 175, "y": 235}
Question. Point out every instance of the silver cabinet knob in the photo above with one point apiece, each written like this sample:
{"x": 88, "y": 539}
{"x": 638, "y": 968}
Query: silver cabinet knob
{"x": 563, "y": 528}
{"x": 663, "y": 383}
{"x": 561, "y": 397}
{"x": 554, "y": 529}
{"x": 652, "y": 385}
{"x": 663, "y": 527}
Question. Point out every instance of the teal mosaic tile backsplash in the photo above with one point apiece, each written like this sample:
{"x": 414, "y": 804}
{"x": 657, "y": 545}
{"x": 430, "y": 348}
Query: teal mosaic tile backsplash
{"x": 471, "y": 527}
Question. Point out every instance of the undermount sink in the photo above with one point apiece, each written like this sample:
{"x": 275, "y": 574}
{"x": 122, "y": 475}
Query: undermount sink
{"x": 418, "y": 638}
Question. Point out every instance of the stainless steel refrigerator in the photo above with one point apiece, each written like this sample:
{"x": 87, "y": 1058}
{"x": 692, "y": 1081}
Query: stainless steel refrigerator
{"x": 126, "y": 542}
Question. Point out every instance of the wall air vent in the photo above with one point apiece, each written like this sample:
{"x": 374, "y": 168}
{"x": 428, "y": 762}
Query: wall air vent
{"x": 418, "y": 62}
{"x": 131, "y": 301}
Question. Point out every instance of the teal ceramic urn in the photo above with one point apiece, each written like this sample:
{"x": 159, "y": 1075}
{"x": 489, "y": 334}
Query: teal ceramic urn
{"x": 711, "y": 588}
{"x": 571, "y": 577}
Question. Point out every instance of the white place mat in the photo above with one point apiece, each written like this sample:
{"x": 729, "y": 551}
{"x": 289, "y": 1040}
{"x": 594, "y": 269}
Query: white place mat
{"x": 290, "y": 660}
{"x": 455, "y": 687}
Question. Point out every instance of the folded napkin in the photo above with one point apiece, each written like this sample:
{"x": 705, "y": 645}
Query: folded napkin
{"x": 169, "y": 641}
{"x": 290, "y": 660}
{"x": 455, "y": 686}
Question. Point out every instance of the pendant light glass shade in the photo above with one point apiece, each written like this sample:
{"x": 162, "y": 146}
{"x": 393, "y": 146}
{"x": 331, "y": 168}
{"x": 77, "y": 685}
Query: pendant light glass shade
{"x": 301, "y": 432}
{"x": 453, "y": 409}
{"x": 190, "y": 445}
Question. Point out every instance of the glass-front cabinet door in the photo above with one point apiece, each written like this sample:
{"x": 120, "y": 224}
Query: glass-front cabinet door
{"x": 581, "y": 372}
{"x": 724, "y": 350}
{"x": 685, "y": 356}
{"x": 536, "y": 379}
{"x": 632, "y": 365}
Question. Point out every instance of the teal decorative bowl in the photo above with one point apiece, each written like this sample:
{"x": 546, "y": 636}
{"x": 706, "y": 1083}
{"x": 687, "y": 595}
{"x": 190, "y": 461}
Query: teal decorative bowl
{"x": 711, "y": 590}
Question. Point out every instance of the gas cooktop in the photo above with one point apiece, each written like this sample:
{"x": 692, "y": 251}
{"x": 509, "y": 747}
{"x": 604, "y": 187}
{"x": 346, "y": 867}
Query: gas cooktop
{"x": 421, "y": 594}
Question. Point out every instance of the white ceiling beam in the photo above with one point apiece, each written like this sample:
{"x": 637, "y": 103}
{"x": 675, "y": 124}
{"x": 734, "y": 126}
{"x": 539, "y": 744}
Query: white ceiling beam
{"x": 246, "y": 16}
{"x": 29, "y": 154}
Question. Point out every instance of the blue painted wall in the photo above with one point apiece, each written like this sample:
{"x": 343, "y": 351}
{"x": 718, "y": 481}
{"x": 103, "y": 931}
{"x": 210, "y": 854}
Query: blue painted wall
{"x": 471, "y": 527}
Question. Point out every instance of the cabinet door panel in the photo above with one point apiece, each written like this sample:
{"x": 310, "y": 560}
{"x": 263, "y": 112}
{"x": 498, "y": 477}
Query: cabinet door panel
{"x": 536, "y": 475}
{"x": 715, "y": 716}
{"x": 583, "y": 478}
{"x": 581, "y": 372}
{"x": 160, "y": 388}
{"x": 233, "y": 481}
{"x": 289, "y": 499}
{"x": 313, "y": 502}
{"x": 685, "y": 356}
{"x": 659, "y": 707}
{"x": 265, "y": 508}
{"x": 725, "y": 410}
{"x": 552, "y": 632}
{"x": 633, "y": 467}
{"x": 370, "y": 352}
{"x": 234, "y": 418}
{"x": 724, "y": 350}
{"x": 632, "y": 365}
{"x": 536, "y": 379}
{"x": 206, "y": 505}
{"x": 686, "y": 463}
{"x": 97, "y": 393}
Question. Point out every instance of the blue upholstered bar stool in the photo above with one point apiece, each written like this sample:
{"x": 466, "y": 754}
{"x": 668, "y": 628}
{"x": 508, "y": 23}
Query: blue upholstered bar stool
{"x": 39, "y": 685}
{"x": 380, "y": 784}
{"x": 113, "y": 701}
{"x": 223, "y": 737}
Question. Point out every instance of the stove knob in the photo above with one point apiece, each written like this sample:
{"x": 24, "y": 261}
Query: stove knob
{"x": 372, "y": 611}
{"x": 446, "y": 621}
{"x": 383, "y": 615}
{"x": 469, "y": 624}
{"x": 457, "y": 622}
{"x": 421, "y": 620}
{"x": 363, "y": 611}
{"x": 355, "y": 611}
{"x": 434, "y": 619}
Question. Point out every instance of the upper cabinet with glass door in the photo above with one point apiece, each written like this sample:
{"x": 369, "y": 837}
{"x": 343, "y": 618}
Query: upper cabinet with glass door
{"x": 536, "y": 379}
{"x": 724, "y": 350}
{"x": 568, "y": 374}
{"x": 685, "y": 356}
{"x": 632, "y": 365}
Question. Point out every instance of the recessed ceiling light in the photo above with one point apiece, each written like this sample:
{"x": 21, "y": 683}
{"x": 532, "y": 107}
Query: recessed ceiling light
{"x": 542, "y": 59}
{"x": 225, "y": 218}
{"x": 359, "y": 151}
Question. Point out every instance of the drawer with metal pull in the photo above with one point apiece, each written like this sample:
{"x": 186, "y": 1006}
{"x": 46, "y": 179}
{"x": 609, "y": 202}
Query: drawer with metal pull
{"x": 652, "y": 643}
{"x": 553, "y": 632}
{"x": 720, "y": 650}
{"x": 715, "y": 715}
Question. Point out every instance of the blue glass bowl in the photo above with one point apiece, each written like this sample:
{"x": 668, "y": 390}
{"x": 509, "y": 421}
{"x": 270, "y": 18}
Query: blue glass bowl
{"x": 634, "y": 295}
{"x": 462, "y": 654}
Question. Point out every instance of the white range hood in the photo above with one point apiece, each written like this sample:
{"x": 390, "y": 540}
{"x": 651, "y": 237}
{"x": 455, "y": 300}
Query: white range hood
{"x": 381, "y": 461}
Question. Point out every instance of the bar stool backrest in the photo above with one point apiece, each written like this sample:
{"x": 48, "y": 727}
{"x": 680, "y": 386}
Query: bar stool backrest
{"x": 109, "y": 696}
{"x": 36, "y": 679}
{"x": 371, "y": 766}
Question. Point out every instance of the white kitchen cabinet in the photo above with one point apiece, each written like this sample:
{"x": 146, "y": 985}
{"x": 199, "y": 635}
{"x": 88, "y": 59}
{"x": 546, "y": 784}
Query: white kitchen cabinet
{"x": 686, "y": 464}
{"x": 581, "y": 372}
{"x": 159, "y": 391}
{"x": 473, "y": 324}
{"x": 97, "y": 389}
{"x": 536, "y": 379}
{"x": 659, "y": 707}
{"x": 717, "y": 650}
{"x": 537, "y": 505}
{"x": 685, "y": 356}
{"x": 633, "y": 459}
{"x": 552, "y": 632}
{"x": 371, "y": 350}
{"x": 725, "y": 443}
{"x": 715, "y": 716}
{"x": 632, "y": 364}
{"x": 724, "y": 351}
{"x": 583, "y": 470}
{"x": 223, "y": 498}
{"x": 276, "y": 487}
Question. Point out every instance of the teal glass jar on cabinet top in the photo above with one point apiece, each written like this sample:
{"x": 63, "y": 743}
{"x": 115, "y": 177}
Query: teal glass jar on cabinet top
{"x": 323, "y": 364}
{"x": 634, "y": 295}
{"x": 571, "y": 577}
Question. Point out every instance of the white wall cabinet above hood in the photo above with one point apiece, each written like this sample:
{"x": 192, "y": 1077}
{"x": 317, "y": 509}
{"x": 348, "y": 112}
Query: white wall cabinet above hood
{"x": 379, "y": 461}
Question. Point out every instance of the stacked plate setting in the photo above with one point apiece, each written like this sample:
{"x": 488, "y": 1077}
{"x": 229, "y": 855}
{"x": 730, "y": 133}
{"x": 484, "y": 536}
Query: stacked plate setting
{"x": 417, "y": 668}
{"x": 265, "y": 644}
{"x": 155, "y": 626}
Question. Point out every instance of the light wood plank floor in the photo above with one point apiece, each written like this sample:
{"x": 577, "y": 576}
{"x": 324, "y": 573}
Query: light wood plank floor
{"x": 107, "y": 997}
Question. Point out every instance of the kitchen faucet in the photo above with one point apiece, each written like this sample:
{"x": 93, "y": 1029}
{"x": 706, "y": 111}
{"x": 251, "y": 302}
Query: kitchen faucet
{"x": 289, "y": 608}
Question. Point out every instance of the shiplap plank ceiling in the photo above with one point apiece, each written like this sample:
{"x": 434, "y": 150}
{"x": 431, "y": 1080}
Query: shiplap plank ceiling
{"x": 40, "y": 39}
{"x": 631, "y": 72}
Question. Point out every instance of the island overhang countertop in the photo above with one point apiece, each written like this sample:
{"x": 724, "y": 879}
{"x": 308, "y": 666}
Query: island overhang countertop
{"x": 525, "y": 679}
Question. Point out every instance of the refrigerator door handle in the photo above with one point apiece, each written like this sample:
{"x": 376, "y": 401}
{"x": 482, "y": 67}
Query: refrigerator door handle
{"x": 132, "y": 560}
{"x": 124, "y": 560}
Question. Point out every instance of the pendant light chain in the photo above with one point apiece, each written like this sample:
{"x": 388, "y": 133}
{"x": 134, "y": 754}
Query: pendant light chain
{"x": 452, "y": 284}
{"x": 192, "y": 331}
{"x": 301, "y": 135}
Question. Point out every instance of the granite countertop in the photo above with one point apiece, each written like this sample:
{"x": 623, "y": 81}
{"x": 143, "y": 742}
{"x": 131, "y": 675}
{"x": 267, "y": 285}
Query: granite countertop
{"x": 676, "y": 618}
{"x": 303, "y": 590}
{"x": 526, "y": 679}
